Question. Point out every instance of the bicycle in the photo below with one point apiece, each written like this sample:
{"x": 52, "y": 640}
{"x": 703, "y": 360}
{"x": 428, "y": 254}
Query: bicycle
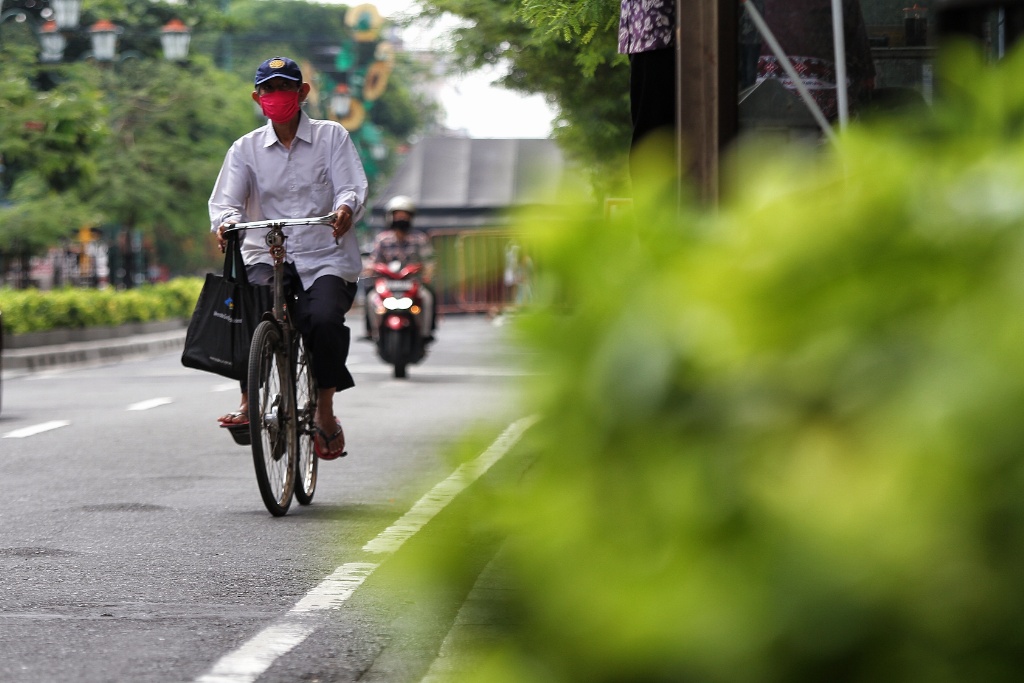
{"x": 282, "y": 391}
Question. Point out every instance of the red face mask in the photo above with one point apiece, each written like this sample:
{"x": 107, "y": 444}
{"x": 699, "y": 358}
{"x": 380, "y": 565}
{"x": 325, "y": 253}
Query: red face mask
{"x": 280, "y": 106}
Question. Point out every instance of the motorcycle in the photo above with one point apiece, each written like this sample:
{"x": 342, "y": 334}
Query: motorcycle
{"x": 397, "y": 300}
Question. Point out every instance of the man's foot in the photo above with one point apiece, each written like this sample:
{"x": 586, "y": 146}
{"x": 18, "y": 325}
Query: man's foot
{"x": 323, "y": 442}
{"x": 238, "y": 418}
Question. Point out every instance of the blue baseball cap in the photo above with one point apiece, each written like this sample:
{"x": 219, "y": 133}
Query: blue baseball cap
{"x": 278, "y": 67}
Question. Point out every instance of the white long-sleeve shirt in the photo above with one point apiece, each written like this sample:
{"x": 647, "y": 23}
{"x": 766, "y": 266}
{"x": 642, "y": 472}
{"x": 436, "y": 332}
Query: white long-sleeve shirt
{"x": 261, "y": 179}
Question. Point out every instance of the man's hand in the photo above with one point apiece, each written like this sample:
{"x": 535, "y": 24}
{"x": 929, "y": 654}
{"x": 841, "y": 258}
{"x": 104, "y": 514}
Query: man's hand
{"x": 342, "y": 222}
{"x": 222, "y": 241}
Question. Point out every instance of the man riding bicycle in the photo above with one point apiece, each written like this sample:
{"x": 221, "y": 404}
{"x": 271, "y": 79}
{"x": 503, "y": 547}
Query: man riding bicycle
{"x": 297, "y": 167}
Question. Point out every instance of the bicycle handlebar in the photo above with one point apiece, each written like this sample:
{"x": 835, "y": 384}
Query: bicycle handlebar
{"x": 281, "y": 222}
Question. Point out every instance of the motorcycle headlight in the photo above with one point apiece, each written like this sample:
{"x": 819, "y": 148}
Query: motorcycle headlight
{"x": 398, "y": 304}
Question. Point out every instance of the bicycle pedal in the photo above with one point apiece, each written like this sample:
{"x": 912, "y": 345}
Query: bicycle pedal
{"x": 240, "y": 433}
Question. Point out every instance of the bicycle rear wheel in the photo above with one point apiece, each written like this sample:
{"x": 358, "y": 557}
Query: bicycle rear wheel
{"x": 271, "y": 418}
{"x": 305, "y": 401}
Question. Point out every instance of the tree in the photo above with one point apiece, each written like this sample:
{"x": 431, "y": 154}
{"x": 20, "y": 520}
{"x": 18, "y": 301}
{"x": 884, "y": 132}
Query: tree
{"x": 167, "y": 138}
{"x": 306, "y": 31}
{"x": 48, "y": 143}
{"x": 132, "y": 145}
{"x": 564, "y": 50}
{"x": 136, "y": 146}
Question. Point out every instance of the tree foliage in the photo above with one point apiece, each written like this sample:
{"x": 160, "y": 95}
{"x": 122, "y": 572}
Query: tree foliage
{"x": 305, "y": 31}
{"x": 134, "y": 146}
{"x": 138, "y": 144}
{"x": 575, "y": 22}
{"x": 564, "y": 50}
{"x": 166, "y": 141}
{"x": 49, "y": 143}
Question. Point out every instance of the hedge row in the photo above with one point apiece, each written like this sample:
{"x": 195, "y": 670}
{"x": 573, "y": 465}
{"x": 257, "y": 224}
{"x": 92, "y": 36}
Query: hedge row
{"x": 36, "y": 311}
{"x": 782, "y": 441}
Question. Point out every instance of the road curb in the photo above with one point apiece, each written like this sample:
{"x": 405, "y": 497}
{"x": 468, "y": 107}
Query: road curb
{"x": 476, "y": 629}
{"x": 76, "y": 335}
{"x": 104, "y": 350}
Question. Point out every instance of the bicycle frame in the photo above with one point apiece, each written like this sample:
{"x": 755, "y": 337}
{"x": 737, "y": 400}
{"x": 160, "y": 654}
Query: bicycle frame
{"x": 275, "y": 240}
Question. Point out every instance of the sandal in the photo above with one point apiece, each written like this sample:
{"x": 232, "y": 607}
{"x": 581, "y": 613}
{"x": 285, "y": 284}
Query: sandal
{"x": 232, "y": 419}
{"x": 326, "y": 453}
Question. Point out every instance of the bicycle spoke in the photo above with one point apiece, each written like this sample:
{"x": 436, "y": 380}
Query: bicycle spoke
{"x": 270, "y": 420}
{"x": 305, "y": 401}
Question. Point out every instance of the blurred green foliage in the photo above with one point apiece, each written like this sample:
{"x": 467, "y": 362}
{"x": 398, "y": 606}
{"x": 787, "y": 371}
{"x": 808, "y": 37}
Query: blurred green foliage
{"x": 32, "y": 310}
{"x": 779, "y": 442}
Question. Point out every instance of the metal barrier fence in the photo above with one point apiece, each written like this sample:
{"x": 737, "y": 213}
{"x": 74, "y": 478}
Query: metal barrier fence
{"x": 470, "y": 271}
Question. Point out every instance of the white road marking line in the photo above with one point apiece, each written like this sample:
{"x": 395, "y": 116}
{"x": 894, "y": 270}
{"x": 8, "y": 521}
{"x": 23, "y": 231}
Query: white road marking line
{"x": 226, "y": 386}
{"x": 36, "y": 429}
{"x": 151, "y": 403}
{"x": 429, "y": 505}
{"x": 333, "y": 591}
{"x": 248, "y": 662}
{"x": 255, "y": 656}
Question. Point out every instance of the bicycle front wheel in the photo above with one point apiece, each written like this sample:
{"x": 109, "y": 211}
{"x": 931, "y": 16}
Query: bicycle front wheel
{"x": 272, "y": 418}
{"x": 305, "y": 402}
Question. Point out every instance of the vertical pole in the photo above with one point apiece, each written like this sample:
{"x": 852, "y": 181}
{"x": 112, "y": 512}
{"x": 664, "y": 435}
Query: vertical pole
{"x": 706, "y": 91}
{"x": 223, "y": 56}
{"x": 728, "y": 72}
{"x": 839, "y": 41}
{"x": 696, "y": 99}
{"x": 127, "y": 259}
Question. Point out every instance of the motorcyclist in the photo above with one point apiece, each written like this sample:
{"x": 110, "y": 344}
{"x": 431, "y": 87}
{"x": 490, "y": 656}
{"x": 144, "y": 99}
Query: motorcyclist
{"x": 400, "y": 242}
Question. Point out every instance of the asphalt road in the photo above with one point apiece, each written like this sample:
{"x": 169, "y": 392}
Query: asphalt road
{"x": 134, "y": 545}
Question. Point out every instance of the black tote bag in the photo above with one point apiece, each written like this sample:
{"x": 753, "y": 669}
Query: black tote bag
{"x": 226, "y": 314}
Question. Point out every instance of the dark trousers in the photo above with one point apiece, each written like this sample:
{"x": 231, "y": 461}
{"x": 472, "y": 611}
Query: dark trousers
{"x": 319, "y": 314}
{"x": 652, "y": 91}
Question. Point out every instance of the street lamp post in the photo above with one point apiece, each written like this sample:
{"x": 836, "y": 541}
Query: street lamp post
{"x": 66, "y": 13}
{"x": 51, "y": 42}
{"x": 104, "y": 35}
{"x": 175, "y": 38}
{"x": 62, "y": 38}
{"x": 56, "y": 20}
